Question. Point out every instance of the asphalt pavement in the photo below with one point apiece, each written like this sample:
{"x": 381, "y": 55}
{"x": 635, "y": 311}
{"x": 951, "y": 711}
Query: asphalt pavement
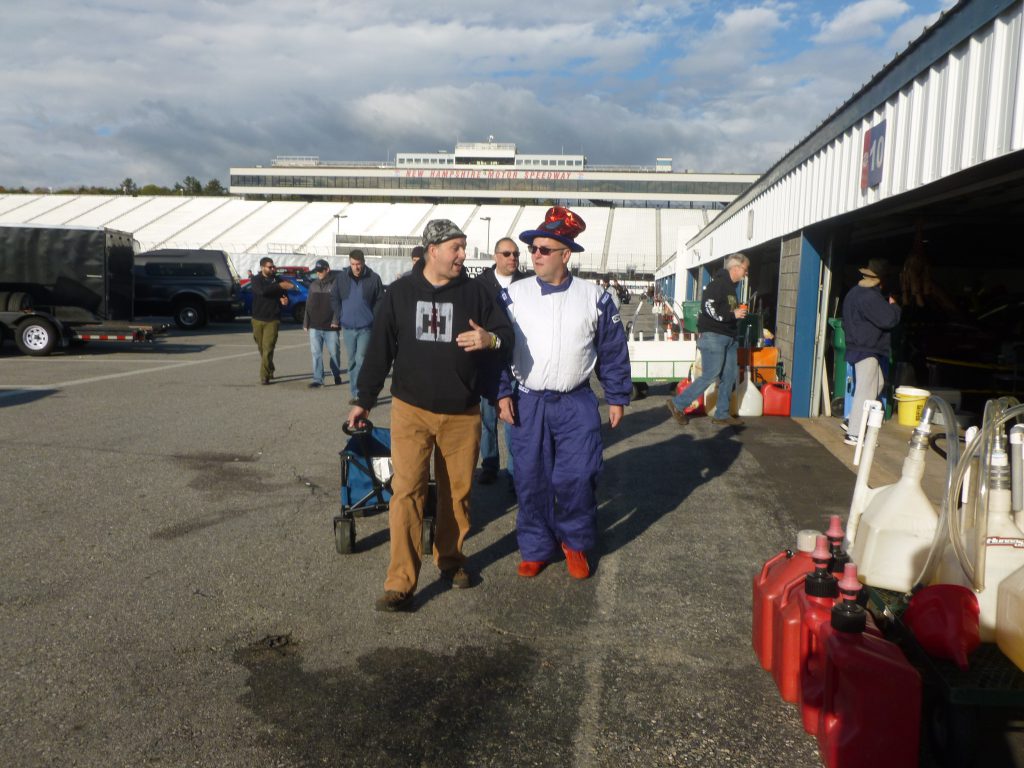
{"x": 171, "y": 595}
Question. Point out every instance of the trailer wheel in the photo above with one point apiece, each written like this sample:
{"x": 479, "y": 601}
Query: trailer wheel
{"x": 190, "y": 315}
{"x": 19, "y": 300}
{"x": 36, "y": 337}
{"x": 639, "y": 390}
{"x": 344, "y": 535}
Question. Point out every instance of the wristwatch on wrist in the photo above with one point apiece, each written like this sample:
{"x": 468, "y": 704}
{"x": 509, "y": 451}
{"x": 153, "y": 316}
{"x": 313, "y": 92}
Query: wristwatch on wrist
{"x": 495, "y": 341}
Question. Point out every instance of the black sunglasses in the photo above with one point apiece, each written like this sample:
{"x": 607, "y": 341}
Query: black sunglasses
{"x": 508, "y": 253}
{"x": 544, "y": 250}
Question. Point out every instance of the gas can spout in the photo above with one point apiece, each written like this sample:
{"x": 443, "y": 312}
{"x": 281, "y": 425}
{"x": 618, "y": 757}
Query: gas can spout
{"x": 864, "y": 456}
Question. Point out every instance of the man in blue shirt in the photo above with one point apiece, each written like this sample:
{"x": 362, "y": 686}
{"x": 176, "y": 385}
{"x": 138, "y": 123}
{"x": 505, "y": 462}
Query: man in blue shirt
{"x": 868, "y": 317}
{"x": 361, "y": 289}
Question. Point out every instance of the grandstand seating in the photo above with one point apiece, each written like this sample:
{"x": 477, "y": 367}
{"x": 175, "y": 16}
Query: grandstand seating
{"x": 639, "y": 240}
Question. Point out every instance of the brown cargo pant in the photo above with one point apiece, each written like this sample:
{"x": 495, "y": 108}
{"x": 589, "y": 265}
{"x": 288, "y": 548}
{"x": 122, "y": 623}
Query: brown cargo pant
{"x": 414, "y": 434}
{"x": 265, "y": 333}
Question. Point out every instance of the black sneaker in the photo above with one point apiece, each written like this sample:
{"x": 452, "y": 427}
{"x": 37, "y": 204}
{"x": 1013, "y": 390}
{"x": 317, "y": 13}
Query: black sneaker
{"x": 487, "y": 476}
{"x": 392, "y": 601}
{"x": 457, "y": 577}
{"x": 337, "y": 381}
{"x": 315, "y": 385}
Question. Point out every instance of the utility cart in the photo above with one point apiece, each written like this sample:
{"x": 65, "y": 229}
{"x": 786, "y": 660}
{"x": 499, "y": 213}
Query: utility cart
{"x": 366, "y": 472}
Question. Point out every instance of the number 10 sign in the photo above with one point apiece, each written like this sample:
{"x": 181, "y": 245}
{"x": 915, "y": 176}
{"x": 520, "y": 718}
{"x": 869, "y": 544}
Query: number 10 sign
{"x": 873, "y": 157}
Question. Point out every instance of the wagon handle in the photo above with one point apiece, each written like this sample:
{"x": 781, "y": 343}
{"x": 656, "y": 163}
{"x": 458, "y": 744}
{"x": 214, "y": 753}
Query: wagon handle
{"x": 364, "y": 428}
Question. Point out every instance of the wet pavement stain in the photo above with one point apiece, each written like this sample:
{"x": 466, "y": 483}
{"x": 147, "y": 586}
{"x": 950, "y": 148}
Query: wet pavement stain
{"x": 477, "y": 706}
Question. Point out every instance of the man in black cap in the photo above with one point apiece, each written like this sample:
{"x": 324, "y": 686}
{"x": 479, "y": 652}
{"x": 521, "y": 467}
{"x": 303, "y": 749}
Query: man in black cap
{"x": 323, "y": 319}
{"x": 361, "y": 289}
{"x": 868, "y": 316}
{"x": 432, "y": 325}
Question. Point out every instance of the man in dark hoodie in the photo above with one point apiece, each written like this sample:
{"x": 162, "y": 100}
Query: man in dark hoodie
{"x": 868, "y": 317}
{"x": 497, "y": 278}
{"x": 431, "y": 326}
{"x": 716, "y": 324}
{"x": 360, "y": 289}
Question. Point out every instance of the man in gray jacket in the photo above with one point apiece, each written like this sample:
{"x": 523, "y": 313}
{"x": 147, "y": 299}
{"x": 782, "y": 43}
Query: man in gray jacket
{"x": 323, "y": 321}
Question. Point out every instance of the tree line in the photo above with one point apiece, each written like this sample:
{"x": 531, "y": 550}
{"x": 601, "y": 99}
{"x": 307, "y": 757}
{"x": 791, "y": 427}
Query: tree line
{"x": 190, "y": 186}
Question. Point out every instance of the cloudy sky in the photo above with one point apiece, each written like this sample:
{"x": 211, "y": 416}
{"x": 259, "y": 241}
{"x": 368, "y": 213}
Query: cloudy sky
{"x": 94, "y": 91}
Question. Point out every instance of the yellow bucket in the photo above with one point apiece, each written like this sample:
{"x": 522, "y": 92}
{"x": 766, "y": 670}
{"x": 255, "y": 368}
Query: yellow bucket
{"x": 910, "y": 403}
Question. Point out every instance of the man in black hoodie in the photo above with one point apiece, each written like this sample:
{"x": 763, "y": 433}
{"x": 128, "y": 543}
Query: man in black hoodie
{"x": 431, "y": 326}
{"x": 716, "y": 324}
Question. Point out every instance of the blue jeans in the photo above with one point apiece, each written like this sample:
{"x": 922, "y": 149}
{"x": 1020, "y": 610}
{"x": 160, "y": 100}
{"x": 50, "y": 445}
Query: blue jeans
{"x": 489, "y": 421}
{"x": 317, "y": 340}
{"x": 718, "y": 361}
{"x": 357, "y": 341}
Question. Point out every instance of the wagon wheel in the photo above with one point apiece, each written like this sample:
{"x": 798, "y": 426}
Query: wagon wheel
{"x": 344, "y": 535}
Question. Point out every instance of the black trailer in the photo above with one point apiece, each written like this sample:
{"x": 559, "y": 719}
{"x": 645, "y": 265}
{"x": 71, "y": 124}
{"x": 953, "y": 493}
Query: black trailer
{"x": 60, "y": 285}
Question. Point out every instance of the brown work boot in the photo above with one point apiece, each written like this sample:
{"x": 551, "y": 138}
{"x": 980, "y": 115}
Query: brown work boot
{"x": 458, "y": 577}
{"x": 729, "y": 421}
{"x": 681, "y": 418}
{"x": 392, "y": 601}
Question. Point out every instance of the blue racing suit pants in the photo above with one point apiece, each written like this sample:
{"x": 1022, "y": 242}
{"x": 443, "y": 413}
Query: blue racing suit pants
{"x": 558, "y": 456}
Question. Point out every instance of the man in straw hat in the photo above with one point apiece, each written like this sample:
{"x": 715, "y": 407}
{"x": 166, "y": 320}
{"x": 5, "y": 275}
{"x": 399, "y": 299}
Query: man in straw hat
{"x": 431, "y": 325}
{"x": 867, "y": 319}
{"x": 565, "y": 329}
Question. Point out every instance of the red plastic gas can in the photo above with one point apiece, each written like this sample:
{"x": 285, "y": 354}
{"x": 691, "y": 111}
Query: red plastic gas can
{"x": 778, "y": 396}
{"x": 816, "y": 591}
{"x": 769, "y": 585}
{"x": 696, "y": 408}
{"x": 871, "y": 705}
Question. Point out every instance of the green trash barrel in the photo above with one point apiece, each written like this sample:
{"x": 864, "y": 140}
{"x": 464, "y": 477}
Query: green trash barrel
{"x": 690, "y": 311}
{"x": 838, "y": 357}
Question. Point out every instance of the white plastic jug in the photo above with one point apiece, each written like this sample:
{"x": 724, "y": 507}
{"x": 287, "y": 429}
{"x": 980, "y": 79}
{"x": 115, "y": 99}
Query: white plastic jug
{"x": 1004, "y": 555}
{"x": 896, "y": 528}
{"x": 749, "y": 400}
{"x": 1010, "y": 617}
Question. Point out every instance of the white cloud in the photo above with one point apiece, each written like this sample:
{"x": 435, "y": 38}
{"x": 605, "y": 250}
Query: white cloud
{"x": 863, "y": 19}
{"x": 99, "y": 89}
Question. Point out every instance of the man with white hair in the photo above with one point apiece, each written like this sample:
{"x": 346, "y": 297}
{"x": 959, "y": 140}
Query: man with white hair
{"x": 719, "y": 317}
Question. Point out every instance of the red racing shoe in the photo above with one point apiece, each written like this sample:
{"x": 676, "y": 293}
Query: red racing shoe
{"x": 576, "y": 562}
{"x": 530, "y": 568}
